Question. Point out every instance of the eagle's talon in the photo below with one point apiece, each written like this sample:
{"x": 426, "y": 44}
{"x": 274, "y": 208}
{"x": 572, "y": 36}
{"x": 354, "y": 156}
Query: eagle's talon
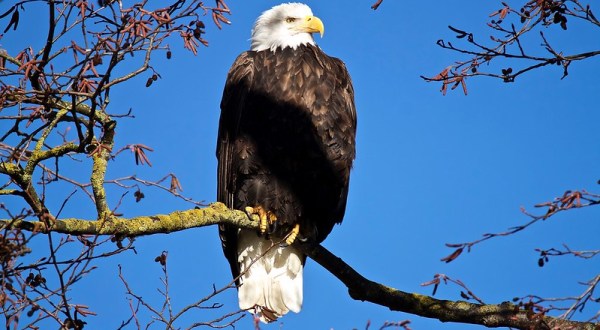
{"x": 265, "y": 218}
{"x": 291, "y": 237}
{"x": 252, "y": 214}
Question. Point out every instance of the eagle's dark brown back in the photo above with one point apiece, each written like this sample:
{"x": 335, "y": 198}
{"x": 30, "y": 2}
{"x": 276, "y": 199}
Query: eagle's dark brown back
{"x": 286, "y": 140}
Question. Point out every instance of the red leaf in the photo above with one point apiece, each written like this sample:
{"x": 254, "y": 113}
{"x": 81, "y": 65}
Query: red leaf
{"x": 452, "y": 256}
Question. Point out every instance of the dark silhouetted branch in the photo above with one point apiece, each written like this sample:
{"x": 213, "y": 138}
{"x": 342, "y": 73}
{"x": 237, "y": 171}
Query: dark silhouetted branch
{"x": 505, "y": 314}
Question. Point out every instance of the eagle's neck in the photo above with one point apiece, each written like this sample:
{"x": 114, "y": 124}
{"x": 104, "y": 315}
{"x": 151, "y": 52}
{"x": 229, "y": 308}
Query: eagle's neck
{"x": 261, "y": 40}
{"x": 292, "y": 53}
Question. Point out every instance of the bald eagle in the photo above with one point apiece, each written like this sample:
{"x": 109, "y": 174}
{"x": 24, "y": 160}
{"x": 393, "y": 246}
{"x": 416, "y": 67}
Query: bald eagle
{"x": 285, "y": 148}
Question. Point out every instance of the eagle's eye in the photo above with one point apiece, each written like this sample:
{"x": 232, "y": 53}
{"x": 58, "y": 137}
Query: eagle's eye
{"x": 290, "y": 19}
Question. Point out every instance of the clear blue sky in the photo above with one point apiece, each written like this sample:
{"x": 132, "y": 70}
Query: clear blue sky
{"x": 430, "y": 169}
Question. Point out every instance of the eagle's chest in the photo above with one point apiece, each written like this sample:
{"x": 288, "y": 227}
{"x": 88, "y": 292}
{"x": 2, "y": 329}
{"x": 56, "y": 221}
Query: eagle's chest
{"x": 294, "y": 124}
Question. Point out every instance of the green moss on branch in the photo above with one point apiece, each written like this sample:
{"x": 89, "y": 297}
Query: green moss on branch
{"x": 215, "y": 213}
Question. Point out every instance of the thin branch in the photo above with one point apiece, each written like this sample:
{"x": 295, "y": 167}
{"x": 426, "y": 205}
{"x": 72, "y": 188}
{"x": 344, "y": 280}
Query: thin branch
{"x": 376, "y": 4}
{"x": 506, "y": 44}
{"x": 569, "y": 200}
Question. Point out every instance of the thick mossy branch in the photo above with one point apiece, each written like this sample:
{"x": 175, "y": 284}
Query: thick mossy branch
{"x": 215, "y": 213}
{"x": 100, "y": 157}
{"x": 9, "y": 169}
{"x": 493, "y": 316}
{"x": 23, "y": 180}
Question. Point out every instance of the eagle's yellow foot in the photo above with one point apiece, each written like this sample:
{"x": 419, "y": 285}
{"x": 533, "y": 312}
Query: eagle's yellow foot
{"x": 291, "y": 237}
{"x": 264, "y": 217}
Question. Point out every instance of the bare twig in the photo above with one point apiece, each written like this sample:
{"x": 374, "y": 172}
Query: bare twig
{"x": 569, "y": 200}
{"x": 508, "y": 48}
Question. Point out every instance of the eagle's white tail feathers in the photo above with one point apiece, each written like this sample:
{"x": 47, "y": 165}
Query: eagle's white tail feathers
{"x": 273, "y": 283}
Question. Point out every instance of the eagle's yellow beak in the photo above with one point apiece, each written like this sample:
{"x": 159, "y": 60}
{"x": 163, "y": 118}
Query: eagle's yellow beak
{"x": 313, "y": 24}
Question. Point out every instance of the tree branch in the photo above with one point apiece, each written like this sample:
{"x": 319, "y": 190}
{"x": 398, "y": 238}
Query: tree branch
{"x": 216, "y": 213}
{"x": 505, "y": 314}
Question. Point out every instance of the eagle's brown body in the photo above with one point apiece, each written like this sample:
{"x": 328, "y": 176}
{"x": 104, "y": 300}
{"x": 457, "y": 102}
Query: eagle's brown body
{"x": 286, "y": 144}
{"x": 286, "y": 140}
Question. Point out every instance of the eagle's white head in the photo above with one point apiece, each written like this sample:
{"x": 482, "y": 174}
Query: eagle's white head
{"x": 285, "y": 25}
